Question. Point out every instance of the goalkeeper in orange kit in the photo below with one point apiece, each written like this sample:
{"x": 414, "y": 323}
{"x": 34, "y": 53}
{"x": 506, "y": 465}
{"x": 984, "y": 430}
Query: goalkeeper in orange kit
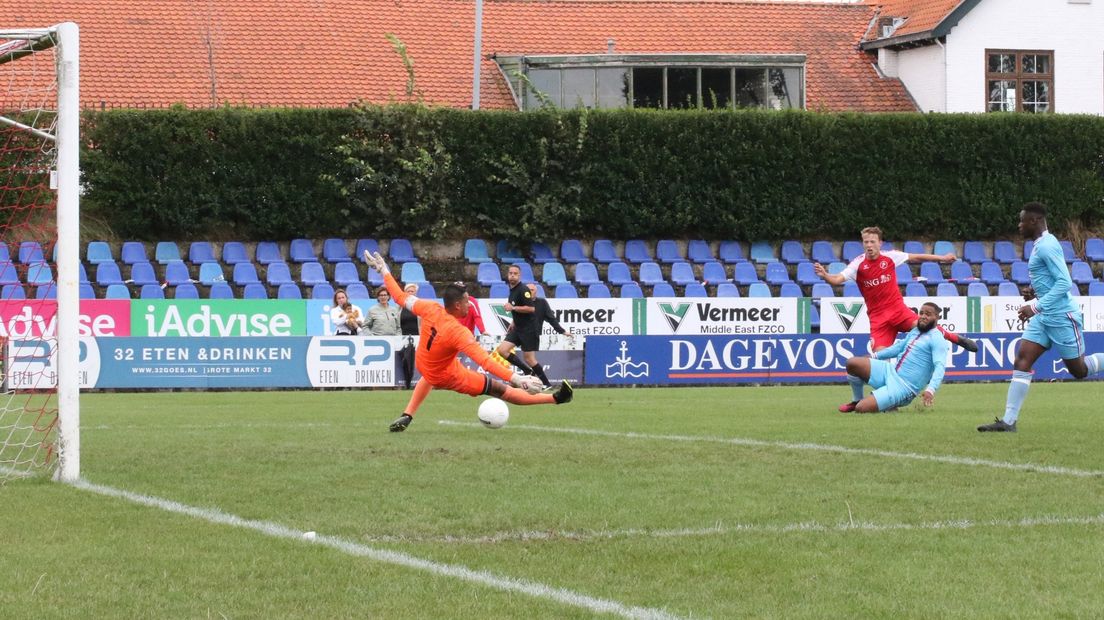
{"x": 442, "y": 338}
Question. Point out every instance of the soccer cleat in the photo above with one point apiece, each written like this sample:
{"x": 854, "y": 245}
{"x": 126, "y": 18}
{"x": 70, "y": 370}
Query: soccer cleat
{"x": 848, "y": 407}
{"x": 564, "y": 394}
{"x": 998, "y": 426}
{"x": 400, "y": 424}
{"x": 967, "y": 343}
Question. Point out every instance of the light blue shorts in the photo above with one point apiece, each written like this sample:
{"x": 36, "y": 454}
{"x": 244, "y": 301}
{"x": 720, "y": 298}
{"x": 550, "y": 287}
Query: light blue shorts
{"x": 889, "y": 390}
{"x": 1062, "y": 332}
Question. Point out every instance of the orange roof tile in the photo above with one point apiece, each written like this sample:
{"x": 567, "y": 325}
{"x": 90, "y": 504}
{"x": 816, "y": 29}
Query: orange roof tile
{"x": 328, "y": 53}
{"x": 920, "y": 15}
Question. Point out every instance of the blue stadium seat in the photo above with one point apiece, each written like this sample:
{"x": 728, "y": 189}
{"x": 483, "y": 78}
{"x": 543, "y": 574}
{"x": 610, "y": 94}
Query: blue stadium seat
{"x": 663, "y": 289}
{"x": 425, "y": 291}
{"x": 5, "y": 253}
{"x": 508, "y": 252}
{"x": 650, "y": 274}
{"x": 233, "y": 253}
{"x": 30, "y": 252}
{"x": 699, "y": 251}
{"x": 1019, "y": 273}
{"x": 946, "y": 289}
{"x": 1096, "y": 288}
{"x": 973, "y": 252}
{"x": 790, "y": 289}
{"x": 12, "y": 291}
{"x": 943, "y": 247}
{"x": 244, "y": 274}
{"x": 40, "y": 273}
{"x": 991, "y": 273}
{"x": 499, "y": 291}
{"x": 914, "y": 247}
{"x": 793, "y": 252}
{"x": 334, "y": 251}
{"x": 301, "y": 251}
{"x": 48, "y": 291}
{"x": 200, "y": 252}
{"x": 731, "y": 252}
{"x": 618, "y": 274}
{"x": 357, "y": 290}
{"x": 806, "y": 275}
{"x": 176, "y": 273}
{"x": 822, "y": 289}
{"x": 814, "y": 317}
{"x": 117, "y": 291}
{"x": 475, "y": 251}
{"x": 887, "y": 246}
{"x": 695, "y": 289}
{"x": 605, "y": 252}
{"x": 312, "y": 274}
{"x": 566, "y": 291}
{"x": 133, "y": 252}
{"x": 1067, "y": 249}
{"x": 915, "y": 289}
{"x": 289, "y": 290}
{"x": 961, "y": 271}
{"x": 99, "y": 252}
{"x": 682, "y": 273}
{"x": 346, "y": 274}
{"x": 850, "y": 289}
{"x": 1009, "y": 289}
{"x": 713, "y": 272}
{"x": 210, "y": 273}
{"x": 1028, "y": 246}
{"x": 977, "y": 289}
{"x": 370, "y": 245}
{"x": 762, "y": 253}
{"x": 571, "y": 251}
{"x": 268, "y": 252}
{"x": 776, "y": 273}
{"x": 151, "y": 291}
{"x": 278, "y": 273}
{"x": 9, "y": 274}
{"x": 487, "y": 274}
{"x": 667, "y": 251}
{"x": 758, "y": 289}
{"x": 166, "y": 252}
{"x": 904, "y": 273}
{"x": 374, "y": 278}
{"x": 744, "y": 273}
{"x": 256, "y": 290}
{"x": 932, "y": 273}
{"x": 1094, "y": 250}
{"x": 850, "y": 250}
{"x": 401, "y": 251}
{"x": 142, "y": 273}
{"x": 636, "y": 252}
{"x": 1005, "y": 253}
{"x": 86, "y": 291}
{"x": 553, "y": 274}
{"x": 836, "y": 267}
{"x": 727, "y": 289}
{"x": 598, "y": 291}
{"x": 106, "y": 274}
{"x": 632, "y": 291}
{"x": 586, "y": 274}
{"x": 412, "y": 272}
{"x": 541, "y": 253}
{"x": 822, "y": 252}
{"x": 220, "y": 290}
{"x": 526, "y": 272}
{"x": 1081, "y": 272}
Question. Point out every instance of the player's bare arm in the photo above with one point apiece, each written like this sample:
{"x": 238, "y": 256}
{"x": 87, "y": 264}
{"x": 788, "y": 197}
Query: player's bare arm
{"x": 936, "y": 258}
{"x": 831, "y": 278}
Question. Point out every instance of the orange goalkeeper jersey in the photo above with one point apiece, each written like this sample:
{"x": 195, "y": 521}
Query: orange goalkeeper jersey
{"x": 442, "y": 338}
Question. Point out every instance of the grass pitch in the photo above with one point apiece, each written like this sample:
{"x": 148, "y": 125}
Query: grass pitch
{"x": 682, "y": 502}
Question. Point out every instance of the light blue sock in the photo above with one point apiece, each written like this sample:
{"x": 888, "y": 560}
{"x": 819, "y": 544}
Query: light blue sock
{"x": 1094, "y": 362}
{"x": 1017, "y": 392}
{"x": 856, "y": 387}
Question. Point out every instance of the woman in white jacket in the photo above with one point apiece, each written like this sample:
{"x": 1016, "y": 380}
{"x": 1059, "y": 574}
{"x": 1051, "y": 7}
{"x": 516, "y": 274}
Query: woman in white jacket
{"x": 346, "y": 318}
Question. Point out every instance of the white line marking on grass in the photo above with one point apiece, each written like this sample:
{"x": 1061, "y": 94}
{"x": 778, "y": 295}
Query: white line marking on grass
{"x": 534, "y": 589}
{"x": 817, "y": 447}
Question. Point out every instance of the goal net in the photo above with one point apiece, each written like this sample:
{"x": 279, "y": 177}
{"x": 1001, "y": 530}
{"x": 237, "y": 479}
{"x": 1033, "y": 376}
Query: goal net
{"x": 39, "y": 255}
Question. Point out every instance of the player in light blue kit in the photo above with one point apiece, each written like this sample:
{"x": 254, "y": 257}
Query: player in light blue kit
{"x": 1055, "y": 320}
{"x": 918, "y": 370}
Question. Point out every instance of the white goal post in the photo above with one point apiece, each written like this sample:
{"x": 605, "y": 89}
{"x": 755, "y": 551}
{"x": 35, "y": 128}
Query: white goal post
{"x": 39, "y": 173}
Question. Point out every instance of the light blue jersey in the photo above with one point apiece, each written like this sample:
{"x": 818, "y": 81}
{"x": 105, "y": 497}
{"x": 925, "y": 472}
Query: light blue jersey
{"x": 1050, "y": 278}
{"x": 921, "y": 359}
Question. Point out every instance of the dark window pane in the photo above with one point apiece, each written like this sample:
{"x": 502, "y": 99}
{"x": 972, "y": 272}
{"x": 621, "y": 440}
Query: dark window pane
{"x": 578, "y": 88}
{"x": 1002, "y": 96}
{"x": 785, "y": 85}
{"x": 1002, "y": 63}
{"x": 1036, "y": 63}
{"x": 613, "y": 88}
{"x": 647, "y": 87}
{"x": 546, "y": 82}
{"x": 750, "y": 87}
{"x": 682, "y": 88}
{"x": 716, "y": 88}
{"x": 1036, "y": 96}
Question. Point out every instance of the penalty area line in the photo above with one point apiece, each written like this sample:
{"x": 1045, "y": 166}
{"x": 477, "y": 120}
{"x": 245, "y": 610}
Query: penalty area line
{"x": 814, "y": 447}
{"x": 479, "y": 577}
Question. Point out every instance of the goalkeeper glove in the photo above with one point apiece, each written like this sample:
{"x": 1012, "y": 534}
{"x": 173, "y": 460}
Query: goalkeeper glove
{"x": 524, "y": 382}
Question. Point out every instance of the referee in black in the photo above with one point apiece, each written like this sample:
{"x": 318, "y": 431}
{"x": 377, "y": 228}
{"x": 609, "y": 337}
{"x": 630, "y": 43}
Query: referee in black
{"x": 542, "y": 313}
{"x": 520, "y": 334}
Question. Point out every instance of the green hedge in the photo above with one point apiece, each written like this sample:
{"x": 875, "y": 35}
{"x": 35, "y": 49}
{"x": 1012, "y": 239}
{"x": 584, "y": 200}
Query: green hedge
{"x": 431, "y": 173}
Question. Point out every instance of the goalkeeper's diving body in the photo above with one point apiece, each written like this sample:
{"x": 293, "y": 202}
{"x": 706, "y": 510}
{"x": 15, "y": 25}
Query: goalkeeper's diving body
{"x": 442, "y": 338}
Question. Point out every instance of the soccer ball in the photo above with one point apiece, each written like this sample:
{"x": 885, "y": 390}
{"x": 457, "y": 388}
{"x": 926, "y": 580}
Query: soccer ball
{"x": 493, "y": 413}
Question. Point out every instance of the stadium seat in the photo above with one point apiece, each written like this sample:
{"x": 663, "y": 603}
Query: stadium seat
{"x": 1009, "y": 289}
{"x": 268, "y": 252}
{"x": 932, "y": 273}
{"x": 1067, "y": 249}
{"x": 682, "y": 273}
{"x": 541, "y": 253}
{"x": 977, "y": 289}
{"x": 744, "y": 274}
{"x": 401, "y": 251}
{"x": 904, "y": 273}
{"x": 1094, "y": 250}
{"x": 946, "y": 289}
{"x": 499, "y": 291}
{"x": 793, "y": 252}
{"x": 278, "y": 273}
{"x": 650, "y": 274}
{"x": 663, "y": 289}
{"x": 806, "y": 274}
{"x": 814, "y": 317}
{"x": 887, "y": 246}
{"x": 526, "y": 272}
{"x": 289, "y": 290}
{"x": 117, "y": 291}
{"x": 48, "y": 291}
{"x": 233, "y": 253}
{"x": 370, "y": 245}
{"x": 312, "y": 274}
{"x": 758, "y": 289}
{"x": 1005, "y": 253}
{"x": 553, "y": 274}
{"x": 731, "y": 252}
{"x": 245, "y": 273}
{"x": 200, "y": 252}
{"x": 334, "y": 251}
{"x": 973, "y": 252}
{"x": 99, "y": 252}
{"x": 586, "y": 274}
{"x": 106, "y": 274}
{"x": 637, "y": 252}
{"x": 913, "y": 247}
{"x": 822, "y": 252}
{"x": 632, "y": 291}
{"x": 374, "y": 278}
{"x": 762, "y": 253}
{"x": 5, "y": 253}
{"x": 508, "y": 252}
{"x": 133, "y": 252}
{"x": 790, "y": 289}
{"x": 850, "y": 250}
{"x": 412, "y": 272}
{"x": 1028, "y": 246}
{"x": 776, "y": 273}
{"x": 210, "y": 273}
{"x": 9, "y": 274}
{"x": 86, "y": 291}
{"x": 598, "y": 291}
{"x": 1080, "y": 272}
{"x": 142, "y": 273}
{"x": 12, "y": 291}
{"x": 220, "y": 290}
{"x": 346, "y": 274}
{"x": 475, "y": 251}
{"x": 1096, "y": 288}
{"x": 357, "y": 290}
{"x": 256, "y": 290}
{"x": 487, "y": 274}
{"x": 850, "y": 289}
{"x": 836, "y": 267}
{"x": 943, "y": 247}
{"x": 30, "y": 252}
{"x": 425, "y": 291}
{"x": 991, "y": 273}
{"x": 695, "y": 289}
{"x": 605, "y": 252}
{"x": 83, "y": 273}
{"x": 727, "y": 289}
{"x": 699, "y": 251}
{"x": 822, "y": 289}
{"x": 40, "y": 273}
{"x": 177, "y": 273}
{"x": 713, "y": 272}
{"x": 1019, "y": 273}
{"x": 667, "y": 252}
{"x": 618, "y": 274}
{"x": 301, "y": 251}
{"x": 166, "y": 252}
{"x": 961, "y": 271}
{"x": 571, "y": 251}
{"x": 915, "y": 289}
{"x": 566, "y": 291}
